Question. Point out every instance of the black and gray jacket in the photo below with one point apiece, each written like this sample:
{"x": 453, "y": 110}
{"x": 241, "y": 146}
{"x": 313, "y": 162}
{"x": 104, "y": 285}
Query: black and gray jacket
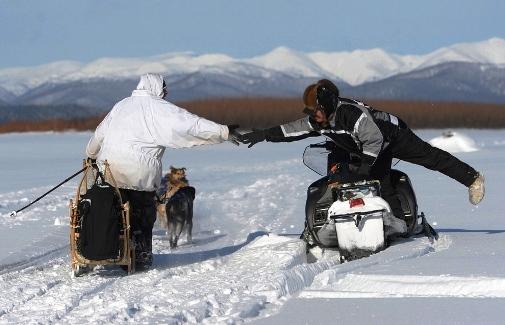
{"x": 355, "y": 127}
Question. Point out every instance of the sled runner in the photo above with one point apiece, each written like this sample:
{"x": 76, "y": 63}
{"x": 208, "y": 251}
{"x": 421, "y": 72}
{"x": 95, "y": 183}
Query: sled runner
{"x": 99, "y": 223}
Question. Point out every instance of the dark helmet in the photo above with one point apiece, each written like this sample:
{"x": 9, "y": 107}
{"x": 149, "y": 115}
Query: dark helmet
{"x": 323, "y": 94}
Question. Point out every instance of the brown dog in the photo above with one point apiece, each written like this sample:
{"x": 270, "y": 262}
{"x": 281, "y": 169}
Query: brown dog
{"x": 176, "y": 209}
{"x": 172, "y": 181}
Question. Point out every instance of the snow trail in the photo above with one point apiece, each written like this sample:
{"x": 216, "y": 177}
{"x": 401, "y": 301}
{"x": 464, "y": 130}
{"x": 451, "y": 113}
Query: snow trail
{"x": 219, "y": 289}
{"x": 400, "y": 286}
{"x": 221, "y": 278}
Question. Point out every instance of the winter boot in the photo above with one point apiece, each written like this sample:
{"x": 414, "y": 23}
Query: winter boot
{"x": 476, "y": 190}
{"x": 143, "y": 252}
{"x": 144, "y": 260}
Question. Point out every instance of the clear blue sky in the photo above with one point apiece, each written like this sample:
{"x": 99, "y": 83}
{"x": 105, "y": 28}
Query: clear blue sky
{"x": 35, "y": 31}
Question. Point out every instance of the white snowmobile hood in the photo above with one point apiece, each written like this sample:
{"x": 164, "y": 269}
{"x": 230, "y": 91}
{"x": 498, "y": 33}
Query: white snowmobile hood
{"x": 150, "y": 84}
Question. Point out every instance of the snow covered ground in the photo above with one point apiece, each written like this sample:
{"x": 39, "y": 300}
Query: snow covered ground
{"x": 246, "y": 263}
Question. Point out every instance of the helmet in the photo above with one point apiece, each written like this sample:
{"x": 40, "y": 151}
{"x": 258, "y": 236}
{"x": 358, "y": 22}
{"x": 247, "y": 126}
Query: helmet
{"x": 323, "y": 95}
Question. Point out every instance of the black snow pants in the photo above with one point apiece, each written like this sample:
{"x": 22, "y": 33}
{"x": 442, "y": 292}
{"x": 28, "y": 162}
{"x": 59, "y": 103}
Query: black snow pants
{"x": 409, "y": 147}
{"x": 142, "y": 216}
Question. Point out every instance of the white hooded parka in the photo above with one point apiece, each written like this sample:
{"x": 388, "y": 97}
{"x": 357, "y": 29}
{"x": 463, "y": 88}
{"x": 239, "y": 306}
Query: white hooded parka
{"x": 134, "y": 135}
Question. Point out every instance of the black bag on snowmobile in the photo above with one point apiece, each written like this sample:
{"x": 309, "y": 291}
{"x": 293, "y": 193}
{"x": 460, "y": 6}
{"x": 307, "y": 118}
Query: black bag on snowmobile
{"x": 99, "y": 210}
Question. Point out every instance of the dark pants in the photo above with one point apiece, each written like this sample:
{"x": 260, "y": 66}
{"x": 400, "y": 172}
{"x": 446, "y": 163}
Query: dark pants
{"x": 142, "y": 216}
{"x": 409, "y": 147}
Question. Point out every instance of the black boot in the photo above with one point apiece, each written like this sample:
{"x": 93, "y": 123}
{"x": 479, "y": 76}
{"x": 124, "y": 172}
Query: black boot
{"x": 143, "y": 252}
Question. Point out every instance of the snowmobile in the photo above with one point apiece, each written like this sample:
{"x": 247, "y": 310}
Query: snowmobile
{"x": 346, "y": 213}
{"x": 99, "y": 223}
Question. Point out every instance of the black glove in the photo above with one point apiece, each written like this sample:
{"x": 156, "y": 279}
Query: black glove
{"x": 233, "y": 135}
{"x": 253, "y": 137}
{"x": 361, "y": 168}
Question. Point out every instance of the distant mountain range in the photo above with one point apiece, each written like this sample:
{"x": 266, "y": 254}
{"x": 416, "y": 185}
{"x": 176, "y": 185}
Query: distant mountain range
{"x": 462, "y": 72}
{"x": 451, "y": 81}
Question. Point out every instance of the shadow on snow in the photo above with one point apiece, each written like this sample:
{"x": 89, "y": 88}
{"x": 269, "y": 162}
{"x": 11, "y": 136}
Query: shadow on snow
{"x": 163, "y": 261}
{"x": 489, "y": 232}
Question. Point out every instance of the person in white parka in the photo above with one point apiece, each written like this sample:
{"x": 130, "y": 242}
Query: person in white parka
{"x": 133, "y": 137}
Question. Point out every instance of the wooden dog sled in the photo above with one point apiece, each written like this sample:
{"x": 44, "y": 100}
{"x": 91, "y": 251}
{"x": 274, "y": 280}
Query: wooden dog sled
{"x": 123, "y": 251}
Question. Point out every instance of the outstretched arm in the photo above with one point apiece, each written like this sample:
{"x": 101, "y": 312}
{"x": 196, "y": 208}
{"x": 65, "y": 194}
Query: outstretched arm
{"x": 292, "y": 131}
{"x": 175, "y": 127}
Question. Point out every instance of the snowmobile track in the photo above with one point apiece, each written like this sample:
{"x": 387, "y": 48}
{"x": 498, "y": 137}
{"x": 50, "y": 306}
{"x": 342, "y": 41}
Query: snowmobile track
{"x": 32, "y": 261}
{"x": 298, "y": 279}
{"x": 50, "y": 294}
{"x": 55, "y": 296}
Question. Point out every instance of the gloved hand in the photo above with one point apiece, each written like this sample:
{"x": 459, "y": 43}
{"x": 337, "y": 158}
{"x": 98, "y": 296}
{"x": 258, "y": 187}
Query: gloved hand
{"x": 253, "y": 137}
{"x": 360, "y": 168}
{"x": 233, "y": 135}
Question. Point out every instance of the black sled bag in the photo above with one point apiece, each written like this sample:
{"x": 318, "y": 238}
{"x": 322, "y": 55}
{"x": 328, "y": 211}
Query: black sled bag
{"x": 100, "y": 217}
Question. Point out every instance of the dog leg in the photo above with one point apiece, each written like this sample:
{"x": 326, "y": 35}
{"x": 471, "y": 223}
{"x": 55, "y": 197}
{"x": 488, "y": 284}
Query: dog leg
{"x": 161, "y": 216}
{"x": 170, "y": 227}
{"x": 190, "y": 231}
{"x": 172, "y": 238}
{"x": 179, "y": 224}
{"x": 189, "y": 220}
{"x": 173, "y": 244}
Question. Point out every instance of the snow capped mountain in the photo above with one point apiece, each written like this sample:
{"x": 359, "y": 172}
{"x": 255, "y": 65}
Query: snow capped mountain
{"x": 354, "y": 68}
{"x": 449, "y": 81}
{"x": 128, "y": 68}
{"x": 20, "y": 80}
{"x": 361, "y": 66}
{"x": 290, "y": 62}
{"x": 491, "y": 51}
{"x": 461, "y": 72}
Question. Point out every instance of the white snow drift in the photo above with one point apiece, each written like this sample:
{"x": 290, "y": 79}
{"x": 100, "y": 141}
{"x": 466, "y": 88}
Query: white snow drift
{"x": 454, "y": 142}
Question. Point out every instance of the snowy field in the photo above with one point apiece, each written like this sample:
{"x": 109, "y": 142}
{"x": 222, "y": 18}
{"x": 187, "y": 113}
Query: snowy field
{"x": 246, "y": 263}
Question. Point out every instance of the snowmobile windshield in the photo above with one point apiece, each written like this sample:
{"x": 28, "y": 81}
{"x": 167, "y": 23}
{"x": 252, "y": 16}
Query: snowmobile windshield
{"x": 315, "y": 157}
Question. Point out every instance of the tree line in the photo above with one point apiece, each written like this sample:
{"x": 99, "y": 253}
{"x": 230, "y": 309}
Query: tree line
{"x": 265, "y": 112}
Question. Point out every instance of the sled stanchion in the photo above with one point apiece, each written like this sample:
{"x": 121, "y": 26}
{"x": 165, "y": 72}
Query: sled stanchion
{"x": 14, "y": 213}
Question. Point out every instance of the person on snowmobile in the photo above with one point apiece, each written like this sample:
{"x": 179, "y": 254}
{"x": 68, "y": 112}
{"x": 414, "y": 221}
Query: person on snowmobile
{"x": 133, "y": 137}
{"x": 375, "y": 136}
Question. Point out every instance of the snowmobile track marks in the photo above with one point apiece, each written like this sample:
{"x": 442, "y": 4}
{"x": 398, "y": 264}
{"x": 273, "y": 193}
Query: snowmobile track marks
{"x": 32, "y": 261}
{"x": 55, "y": 299}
